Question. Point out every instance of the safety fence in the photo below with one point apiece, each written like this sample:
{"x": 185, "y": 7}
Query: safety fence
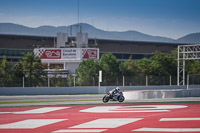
{"x": 71, "y": 81}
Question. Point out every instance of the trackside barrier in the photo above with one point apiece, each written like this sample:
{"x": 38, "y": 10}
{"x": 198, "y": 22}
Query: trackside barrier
{"x": 155, "y": 94}
{"x": 147, "y": 90}
{"x": 50, "y": 90}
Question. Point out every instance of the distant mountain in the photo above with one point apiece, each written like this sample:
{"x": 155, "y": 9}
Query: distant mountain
{"x": 193, "y": 38}
{"x": 10, "y": 28}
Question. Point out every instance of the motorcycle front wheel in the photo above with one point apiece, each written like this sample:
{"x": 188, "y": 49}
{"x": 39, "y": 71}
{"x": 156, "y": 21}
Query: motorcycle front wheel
{"x": 105, "y": 99}
{"x": 121, "y": 98}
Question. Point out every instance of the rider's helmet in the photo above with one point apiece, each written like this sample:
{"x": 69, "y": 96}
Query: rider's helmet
{"x": 117, "y": 88}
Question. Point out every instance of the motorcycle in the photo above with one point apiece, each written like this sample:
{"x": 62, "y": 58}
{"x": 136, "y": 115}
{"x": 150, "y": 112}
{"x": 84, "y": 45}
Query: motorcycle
{"x": 115, "y": 97}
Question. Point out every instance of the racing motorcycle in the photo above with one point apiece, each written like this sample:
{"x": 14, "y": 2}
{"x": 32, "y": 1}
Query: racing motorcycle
{"x": 115, "y": 97}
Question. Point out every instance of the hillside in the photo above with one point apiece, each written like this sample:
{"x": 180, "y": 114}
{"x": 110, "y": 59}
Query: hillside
{"x": 193, "y": 38}
{"x": 10, "y": 28}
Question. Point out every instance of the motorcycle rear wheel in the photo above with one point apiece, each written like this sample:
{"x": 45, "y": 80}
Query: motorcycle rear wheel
{"x": 105, "y": 99}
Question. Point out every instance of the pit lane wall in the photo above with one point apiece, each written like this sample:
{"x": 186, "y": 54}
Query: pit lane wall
{"x": 130, "y": 92}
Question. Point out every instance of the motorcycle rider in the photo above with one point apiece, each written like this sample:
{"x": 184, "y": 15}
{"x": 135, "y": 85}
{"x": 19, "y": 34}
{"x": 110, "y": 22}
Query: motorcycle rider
{"x": 114, "y": 91}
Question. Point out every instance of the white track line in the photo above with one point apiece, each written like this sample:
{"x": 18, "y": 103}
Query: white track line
{"x": 41, "y": 110}
{"x": 168, "y": 129}
{"x": 136, "y": 108}
{"x": 107, "y": 123}
{"x": 180, "y": 119}
{"x": 80, "y": 131}
{"x": 30, "y": 123}
{"x": 37, "y": 111}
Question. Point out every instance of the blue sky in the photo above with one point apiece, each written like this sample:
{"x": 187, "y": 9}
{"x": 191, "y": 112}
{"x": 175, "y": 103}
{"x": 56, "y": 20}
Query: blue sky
{"x": 169, "y": 18}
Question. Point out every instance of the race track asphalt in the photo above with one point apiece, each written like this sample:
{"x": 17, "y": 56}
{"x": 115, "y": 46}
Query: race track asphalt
{"x": 107, "y": 118}
{"x": 51, "y": 100}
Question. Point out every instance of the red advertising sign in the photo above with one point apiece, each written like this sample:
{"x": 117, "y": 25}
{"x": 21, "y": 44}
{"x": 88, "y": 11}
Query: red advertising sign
{"x": 89, "y": 54}
{"x": 50, "y": 54}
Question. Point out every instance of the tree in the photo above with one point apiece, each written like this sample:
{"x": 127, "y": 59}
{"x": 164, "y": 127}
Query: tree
{"x": 6, "y": 72}
{"x": 70, "y": 80}
{"x": 143, "y": 66}
{"x": 32, "y": 68}
{"x": 193, "y": 67}
{"x": 163, "y": 65}
{"x": 18, "y": 74}
{"x": 109, "y": 65}
{"x": 110, "y": 69}
{"x": 57, "y": 80}
{"x": 87, "y": 71}
{"x": 129, "y": 68}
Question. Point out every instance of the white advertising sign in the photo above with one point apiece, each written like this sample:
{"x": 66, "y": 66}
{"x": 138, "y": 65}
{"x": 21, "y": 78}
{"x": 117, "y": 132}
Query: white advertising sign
{"x": 67, "y": 53}
{"x": 71, "y": 53}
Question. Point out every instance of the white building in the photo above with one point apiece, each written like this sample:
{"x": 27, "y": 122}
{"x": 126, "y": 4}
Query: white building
{"x": 67, "y": 59}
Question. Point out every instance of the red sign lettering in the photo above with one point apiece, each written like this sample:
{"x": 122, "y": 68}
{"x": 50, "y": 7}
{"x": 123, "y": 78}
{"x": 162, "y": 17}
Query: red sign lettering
{"x": 51, "y": 54}
{"x": 89, "y": 53}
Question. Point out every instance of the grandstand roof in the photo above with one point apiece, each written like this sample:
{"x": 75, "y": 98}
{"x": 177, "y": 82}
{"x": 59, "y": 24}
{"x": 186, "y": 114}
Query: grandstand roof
{"x": 105, "y": 46}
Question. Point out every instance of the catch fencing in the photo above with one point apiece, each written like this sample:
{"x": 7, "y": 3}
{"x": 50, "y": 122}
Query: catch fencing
{"x": 114, "y": 81}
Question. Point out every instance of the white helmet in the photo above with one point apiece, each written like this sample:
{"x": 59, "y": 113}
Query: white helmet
{"x": 117, "y": 88}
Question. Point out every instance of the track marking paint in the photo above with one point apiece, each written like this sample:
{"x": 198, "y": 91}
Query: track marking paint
{"x": 107, "y": 123}
{"x": 37, "y": 111}
{"x": 42, "y": 110}
{"x": 172, "y": 129}
{"x": 30, "y": 123}
{"x": 138, "y": 108}
{"x": 180, "y": 119}
{"x": 80, "y": 131}
{"x": 168, "y": 129}
{"x": 102, "y": 118}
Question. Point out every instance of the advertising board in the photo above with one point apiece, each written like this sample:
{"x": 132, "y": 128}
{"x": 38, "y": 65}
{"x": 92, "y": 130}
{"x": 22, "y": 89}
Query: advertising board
{"x": 48, "y": 53}
{"x": 88, "y": 53}
{"x": 71, "y": 53}
{"x": 67, "y": 53}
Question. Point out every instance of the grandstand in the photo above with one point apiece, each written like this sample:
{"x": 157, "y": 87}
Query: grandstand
{"x": 12, "y": 46}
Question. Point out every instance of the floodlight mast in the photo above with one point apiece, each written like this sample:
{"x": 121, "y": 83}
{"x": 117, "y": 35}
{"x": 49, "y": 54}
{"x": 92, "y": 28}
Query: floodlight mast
{"x": 78, "y": 15}
{"x": 186, "y": 52}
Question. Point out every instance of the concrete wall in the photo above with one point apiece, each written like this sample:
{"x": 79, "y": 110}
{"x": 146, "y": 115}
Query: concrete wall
{"x": 51, "y": 90}
{"x": 164, "y": 87}
{"x": 145, "y": 90}
{"x": 154, "y": 94}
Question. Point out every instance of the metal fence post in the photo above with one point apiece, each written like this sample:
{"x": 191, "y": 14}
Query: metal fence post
{"x": 123, "y": 81}
{"x": 146, "y": 80}
{"x": 170, "y": 80}
{"x": 23, "y": 81}
{"x": 100, "y": 77}
{"x": 48, "y": 82}
{"x": 188, "y": 76}
{"x": 93, "y": 81}
{"x": 74, "y": 81}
